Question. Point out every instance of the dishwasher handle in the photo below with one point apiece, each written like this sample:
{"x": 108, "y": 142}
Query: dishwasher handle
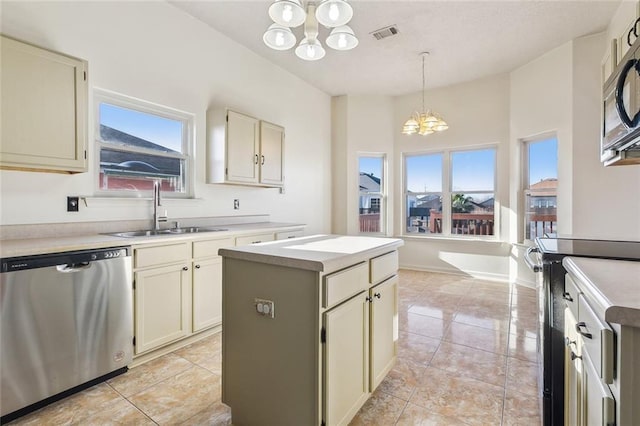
{"x": 73, "y": 267}
{"x": 533, "y": 265}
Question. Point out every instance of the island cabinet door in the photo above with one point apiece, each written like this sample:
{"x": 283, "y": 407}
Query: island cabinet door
{"x": 346, "y": 359}
{"x": 384, "y": 329}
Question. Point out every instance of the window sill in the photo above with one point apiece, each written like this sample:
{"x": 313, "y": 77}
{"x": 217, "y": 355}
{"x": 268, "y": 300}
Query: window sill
{"x": 97, "y": 201}
{"x": 453, "y": 239}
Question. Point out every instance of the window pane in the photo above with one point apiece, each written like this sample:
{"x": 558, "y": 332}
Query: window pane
{"x": 424, "y": 173}
{"x": 371, "y": 187}
{"x": 120, "y": 125}
{"x": 541, "y": 196}
{"x": 473, "y": 170}
{"x": 424, "y": 214}
{"x": 127, "y": 171}
{"x": 472, "y": 213}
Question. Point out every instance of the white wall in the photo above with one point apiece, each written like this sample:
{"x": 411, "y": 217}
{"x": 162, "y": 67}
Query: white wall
{"x": 478, "y": 115}
{"x": 155, "y": 52}
{"x": 361, "y": 124}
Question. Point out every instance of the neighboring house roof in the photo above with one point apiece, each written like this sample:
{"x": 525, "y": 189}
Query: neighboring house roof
{"x": 109, "y": 134}
{"x": 546, "y": 187}
{"x": 431, "y": 201}
{"x": 120, "y": 162}
{"x": 368, "y": 182}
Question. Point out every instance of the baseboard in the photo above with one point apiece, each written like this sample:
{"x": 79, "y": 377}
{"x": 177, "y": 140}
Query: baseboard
{"x": 472, "y": 274}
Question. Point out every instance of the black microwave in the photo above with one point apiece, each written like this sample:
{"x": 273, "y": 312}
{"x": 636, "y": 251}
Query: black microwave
{"x": 620, "y": 141}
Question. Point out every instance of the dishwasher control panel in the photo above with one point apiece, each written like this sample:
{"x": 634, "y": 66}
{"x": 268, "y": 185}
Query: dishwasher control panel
{"x": 71, "y": 257}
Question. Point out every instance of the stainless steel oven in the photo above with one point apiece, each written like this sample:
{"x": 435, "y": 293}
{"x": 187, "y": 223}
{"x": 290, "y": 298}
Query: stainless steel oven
{"x": 550, "y": 252}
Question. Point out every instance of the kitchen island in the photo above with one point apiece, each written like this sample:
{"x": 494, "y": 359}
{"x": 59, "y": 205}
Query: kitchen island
{"x": 309, "y": 327}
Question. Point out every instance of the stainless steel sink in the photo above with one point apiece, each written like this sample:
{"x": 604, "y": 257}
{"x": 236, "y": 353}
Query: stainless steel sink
{"x": 174, "y": 231}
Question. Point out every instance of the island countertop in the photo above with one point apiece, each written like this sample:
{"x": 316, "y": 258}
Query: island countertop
{"x": 612, "y": 284}
{"x": 322, "y": 253}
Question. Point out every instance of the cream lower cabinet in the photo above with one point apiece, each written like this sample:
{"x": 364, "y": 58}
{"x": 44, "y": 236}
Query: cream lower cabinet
{"x": 346, "y": 359}
{"x": 162, "y": 294}
{"x": 384, "y": 329}
{"x": 207, "y": 282}
{"x": 162, "y": 306}
{"x": 572, "y": 372}
{"x": 177, "y": 291}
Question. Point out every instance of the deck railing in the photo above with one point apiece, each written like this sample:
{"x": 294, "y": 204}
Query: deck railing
{"x": 370, "y": 222}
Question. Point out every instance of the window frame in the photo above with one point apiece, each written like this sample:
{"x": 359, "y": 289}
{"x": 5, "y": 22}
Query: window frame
{"x": 383, "y": 192}
{"x": 525, "y": 187}
{"x": 188, "y": 139}
{"x": 447, "y": 193}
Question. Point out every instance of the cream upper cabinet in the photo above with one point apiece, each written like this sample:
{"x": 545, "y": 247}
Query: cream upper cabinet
{"x": 244, "y": 150}
{"x": 271, "y": 154}
{"x": 243, "y": 146}
{"x": 44, "y": 109}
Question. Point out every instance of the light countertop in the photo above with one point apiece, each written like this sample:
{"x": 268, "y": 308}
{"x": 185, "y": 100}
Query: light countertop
{"x": 613, "y": 284}
{"x": 33, "y": 246}
{"x": 323, "y": 253}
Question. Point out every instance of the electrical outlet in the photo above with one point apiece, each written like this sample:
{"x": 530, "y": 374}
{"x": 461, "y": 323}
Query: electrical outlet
{"x": 265, "y": 307}
{"x": 73, "y": 204}
{"x": 236, "y": 204}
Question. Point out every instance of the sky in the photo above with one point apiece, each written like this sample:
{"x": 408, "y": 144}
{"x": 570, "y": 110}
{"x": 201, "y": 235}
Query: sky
{"x": 149, "y": 127}
{"x": 543, "y": 160}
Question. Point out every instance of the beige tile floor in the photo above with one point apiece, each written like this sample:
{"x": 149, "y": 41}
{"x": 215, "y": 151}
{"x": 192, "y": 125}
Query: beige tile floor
{"x": 467, "y": 354}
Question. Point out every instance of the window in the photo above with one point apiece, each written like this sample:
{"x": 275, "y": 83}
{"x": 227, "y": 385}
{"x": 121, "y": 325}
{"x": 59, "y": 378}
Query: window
{"x": 139, "y": 143}
{"x": 423, "y": 193}
{"x": 472, "y": 194}
{"x": 540, "y": 187}
{"x": 372, "y": 205}
{"x": 465, "y": 178}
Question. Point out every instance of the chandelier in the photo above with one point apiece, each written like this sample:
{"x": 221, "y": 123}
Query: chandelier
{"x": 425, "y": 122}
{"x": 287, "y": 14}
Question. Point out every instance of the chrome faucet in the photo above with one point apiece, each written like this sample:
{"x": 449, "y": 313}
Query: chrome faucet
{"x": 157, "y": 202}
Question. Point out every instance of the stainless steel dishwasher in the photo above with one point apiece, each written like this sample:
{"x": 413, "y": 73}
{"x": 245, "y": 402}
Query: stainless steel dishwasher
{"x": 66, "y": 323}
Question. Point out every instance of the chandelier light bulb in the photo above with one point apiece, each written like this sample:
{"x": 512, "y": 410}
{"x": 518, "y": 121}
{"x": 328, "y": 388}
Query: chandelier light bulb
{"x": 310, "y": 50}
{"x": 342, "y": 38}
{"x": 287, "y": 13}
{"x": 279, "y": 38}
{"x": 334, "y": 12}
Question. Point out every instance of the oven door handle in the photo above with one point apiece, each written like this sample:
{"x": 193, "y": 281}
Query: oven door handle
{"x": 533, "y": 265}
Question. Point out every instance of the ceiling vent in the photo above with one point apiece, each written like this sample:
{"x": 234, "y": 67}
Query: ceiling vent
{"x": 385, "y": 32}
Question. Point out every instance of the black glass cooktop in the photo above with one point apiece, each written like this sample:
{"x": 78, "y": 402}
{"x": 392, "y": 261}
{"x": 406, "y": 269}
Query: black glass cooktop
{"x": 623, "y": 250}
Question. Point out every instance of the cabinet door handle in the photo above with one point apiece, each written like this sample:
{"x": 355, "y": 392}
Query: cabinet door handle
{"x": 262, "y": 163}
{"x": 567, "y": 296}
{"x": 185, "y": 268}
{"x": 574, "y": 356}
{"x": 377, "y": 295}
{"x": 586, "y": 334}
{"x": 256, "y": 160}
{"x": 368, "y": 299}
{"x": 568, "y": 342}
{"x": 197, "y": 266}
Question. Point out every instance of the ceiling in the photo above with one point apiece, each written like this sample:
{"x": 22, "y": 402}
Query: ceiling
{"x": 467, "y": 39}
